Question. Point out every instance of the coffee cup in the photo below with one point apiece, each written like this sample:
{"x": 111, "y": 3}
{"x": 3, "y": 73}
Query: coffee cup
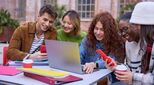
{"x": 121, "y": 68}
{"x": 27, "y": 63}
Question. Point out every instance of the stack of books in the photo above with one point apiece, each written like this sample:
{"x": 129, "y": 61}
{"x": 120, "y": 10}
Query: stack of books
{"x": 49, "y": 76}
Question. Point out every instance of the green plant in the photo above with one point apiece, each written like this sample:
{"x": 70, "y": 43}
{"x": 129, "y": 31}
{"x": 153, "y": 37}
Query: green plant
{"x": 60, "y": 11}
{"x": 126, "y": 8}
{"x": 7, "y": 25}
{"x": 6, "y": 20}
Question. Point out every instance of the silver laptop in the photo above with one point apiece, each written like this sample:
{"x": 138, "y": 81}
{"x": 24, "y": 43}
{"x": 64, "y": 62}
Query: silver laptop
{"x": 64, "y": 55}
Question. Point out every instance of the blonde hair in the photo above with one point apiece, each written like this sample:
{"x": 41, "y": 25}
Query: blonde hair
{"x": 75, "y": 19}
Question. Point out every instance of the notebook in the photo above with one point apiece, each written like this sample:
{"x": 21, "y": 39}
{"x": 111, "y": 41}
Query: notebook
{"x": 64, "y": 56}
{"x": 35, "y": 63}
{"x": 9, "y": 70}
{"x": 51, "y": 80}
{"x": 44, "y": 72}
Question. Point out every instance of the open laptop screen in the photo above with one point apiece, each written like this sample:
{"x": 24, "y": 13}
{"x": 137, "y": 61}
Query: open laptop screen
{"x": 63, "y": 55}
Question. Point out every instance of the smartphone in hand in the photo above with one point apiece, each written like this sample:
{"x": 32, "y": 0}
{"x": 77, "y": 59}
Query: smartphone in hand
{"x": 105, "y": 57}
{"x": 43, "y": 49}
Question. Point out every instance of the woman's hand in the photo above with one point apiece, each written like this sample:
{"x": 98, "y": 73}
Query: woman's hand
{"x": 38, "y": 56}
{"x": 89, "y": 67}
{"x": 125, "y": 76}
{"x": 110, "y": 64}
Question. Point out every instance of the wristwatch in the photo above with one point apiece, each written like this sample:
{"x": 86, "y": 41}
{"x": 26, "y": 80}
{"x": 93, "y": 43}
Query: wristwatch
{"x": 96, "y": 64}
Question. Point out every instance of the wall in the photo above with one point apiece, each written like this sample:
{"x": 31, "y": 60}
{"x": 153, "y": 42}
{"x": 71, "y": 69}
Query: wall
{"x": 33, "y": 6}
{"x": 32, "y": 9}
{"x": 10, "y": 5}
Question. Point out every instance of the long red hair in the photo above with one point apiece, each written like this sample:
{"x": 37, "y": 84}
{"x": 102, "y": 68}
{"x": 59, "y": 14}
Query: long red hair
{"x": 112, "y": 41}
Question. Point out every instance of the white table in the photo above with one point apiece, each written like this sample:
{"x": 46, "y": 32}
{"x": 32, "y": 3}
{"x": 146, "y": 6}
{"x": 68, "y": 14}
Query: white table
{"x": 88, "y": 79}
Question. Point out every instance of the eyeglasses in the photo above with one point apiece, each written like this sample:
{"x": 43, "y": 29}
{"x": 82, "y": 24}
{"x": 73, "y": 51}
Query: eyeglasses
{"x": 123, "y": 32}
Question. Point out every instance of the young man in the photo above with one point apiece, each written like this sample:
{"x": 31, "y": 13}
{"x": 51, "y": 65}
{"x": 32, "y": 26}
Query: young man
{"x": 28, "y": 38}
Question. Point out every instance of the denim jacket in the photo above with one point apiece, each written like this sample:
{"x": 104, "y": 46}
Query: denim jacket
{"x": 87, "y": 55}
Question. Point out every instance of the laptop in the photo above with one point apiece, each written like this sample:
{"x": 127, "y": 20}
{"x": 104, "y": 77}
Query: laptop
{"x": 64, "y": 56}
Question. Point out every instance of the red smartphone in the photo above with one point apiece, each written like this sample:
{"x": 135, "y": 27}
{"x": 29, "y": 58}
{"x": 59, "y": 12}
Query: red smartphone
{"x": 104, "y": 56}
{"x": 43, "y": 49}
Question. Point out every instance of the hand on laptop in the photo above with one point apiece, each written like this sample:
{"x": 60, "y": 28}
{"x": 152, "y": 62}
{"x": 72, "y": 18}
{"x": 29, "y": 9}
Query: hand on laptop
{"x": 89, "y": 67}
{"x": 38, "y": 56}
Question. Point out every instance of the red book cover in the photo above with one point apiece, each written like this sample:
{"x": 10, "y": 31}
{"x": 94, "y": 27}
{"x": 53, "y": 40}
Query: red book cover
{"x": 51, "y": 80}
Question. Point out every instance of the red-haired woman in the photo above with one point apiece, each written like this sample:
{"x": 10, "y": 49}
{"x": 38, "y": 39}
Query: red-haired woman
{"x": 102, "y": 34}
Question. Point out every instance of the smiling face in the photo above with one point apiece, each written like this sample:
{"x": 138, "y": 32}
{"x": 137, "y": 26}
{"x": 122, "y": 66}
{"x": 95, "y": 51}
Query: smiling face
{"x": 45, "y": 21}
{"x": 123, "y": 29}
{"x": 99, "y": 31}
{"x": 67, "y": 25}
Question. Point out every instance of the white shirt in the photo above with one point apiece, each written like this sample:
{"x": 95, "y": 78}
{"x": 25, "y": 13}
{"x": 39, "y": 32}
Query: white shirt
{"x": 133, "y": 54}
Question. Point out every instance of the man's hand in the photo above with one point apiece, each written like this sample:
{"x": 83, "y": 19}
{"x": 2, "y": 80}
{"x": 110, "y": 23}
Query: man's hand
{"x": 38, "y": 56}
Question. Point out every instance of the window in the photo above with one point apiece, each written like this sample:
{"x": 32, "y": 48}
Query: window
{"x": 86, "y": 8}
{"x": 127, "y": 5}
{"x": 52, "y": 2}
{"x": 20, "y": 10}
{"x": 122, "y": 3}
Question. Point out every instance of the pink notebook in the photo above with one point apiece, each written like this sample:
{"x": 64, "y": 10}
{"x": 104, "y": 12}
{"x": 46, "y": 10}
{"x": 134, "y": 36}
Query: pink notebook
{"x": 51, "y": 80}
{"x": 8, "y": 70}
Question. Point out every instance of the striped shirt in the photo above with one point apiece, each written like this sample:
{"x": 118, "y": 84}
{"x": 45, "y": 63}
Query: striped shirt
{"x": 133, "y": 61}
{"x": 36, "y": 43}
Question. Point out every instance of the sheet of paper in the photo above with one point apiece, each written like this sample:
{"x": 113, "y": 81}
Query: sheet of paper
{"x": 8, "y": 70}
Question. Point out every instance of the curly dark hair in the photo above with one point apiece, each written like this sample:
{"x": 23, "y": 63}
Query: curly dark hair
{"x": 112, "y": 41}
